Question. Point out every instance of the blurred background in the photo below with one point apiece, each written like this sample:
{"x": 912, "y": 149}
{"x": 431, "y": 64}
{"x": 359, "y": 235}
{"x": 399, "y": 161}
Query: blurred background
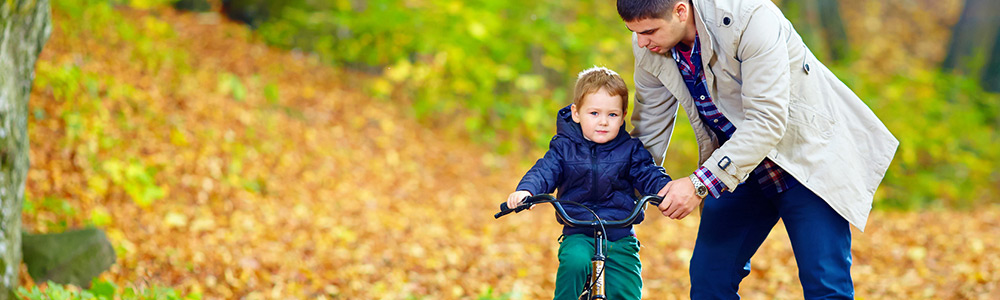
{"x": 353, "y": 149}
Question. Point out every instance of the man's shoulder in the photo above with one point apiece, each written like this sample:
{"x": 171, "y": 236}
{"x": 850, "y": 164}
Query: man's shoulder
{"x": 637, "y": 52}
{"x": 728, "y": 13}
{"x": 730, "y": 6}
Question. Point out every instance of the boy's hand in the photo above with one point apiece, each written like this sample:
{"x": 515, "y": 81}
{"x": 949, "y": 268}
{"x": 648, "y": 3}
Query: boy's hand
{"x": 515, "y": 198}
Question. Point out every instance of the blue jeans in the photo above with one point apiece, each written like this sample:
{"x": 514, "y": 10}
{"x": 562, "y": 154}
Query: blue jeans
{"x": 734, "y": 226}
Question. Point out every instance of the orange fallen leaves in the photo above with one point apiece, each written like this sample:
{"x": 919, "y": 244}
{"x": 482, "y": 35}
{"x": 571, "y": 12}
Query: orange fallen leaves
{"x": 329, "y": 194}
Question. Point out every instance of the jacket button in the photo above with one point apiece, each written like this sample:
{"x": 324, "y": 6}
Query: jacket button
{"x": 725, "y": 21}
{"x": 806, "y": 67}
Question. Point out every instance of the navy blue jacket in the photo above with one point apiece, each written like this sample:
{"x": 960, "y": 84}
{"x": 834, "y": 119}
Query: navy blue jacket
{"x": 604, "y": 177}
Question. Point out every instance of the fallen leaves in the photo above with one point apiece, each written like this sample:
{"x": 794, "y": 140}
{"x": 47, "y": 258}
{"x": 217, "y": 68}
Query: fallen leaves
{"x": 325, "y": 193}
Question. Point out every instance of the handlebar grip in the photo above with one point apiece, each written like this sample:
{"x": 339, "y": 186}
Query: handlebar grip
{"x": 502, "y": 213}
{"x": 504, "y": 210}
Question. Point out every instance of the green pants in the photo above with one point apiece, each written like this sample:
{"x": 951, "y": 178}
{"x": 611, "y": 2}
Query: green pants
{"x": 622, "y": 269}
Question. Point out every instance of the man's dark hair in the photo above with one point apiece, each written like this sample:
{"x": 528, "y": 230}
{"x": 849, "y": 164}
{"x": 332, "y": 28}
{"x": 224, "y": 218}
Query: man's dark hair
{"x": 632, "y": 10}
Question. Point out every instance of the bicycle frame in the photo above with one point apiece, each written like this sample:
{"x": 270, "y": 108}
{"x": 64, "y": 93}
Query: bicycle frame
{"x": 594, "y": 287}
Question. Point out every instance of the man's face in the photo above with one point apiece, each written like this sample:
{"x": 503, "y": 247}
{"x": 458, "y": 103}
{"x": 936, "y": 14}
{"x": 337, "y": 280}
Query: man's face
{"x": 656, "y": 34}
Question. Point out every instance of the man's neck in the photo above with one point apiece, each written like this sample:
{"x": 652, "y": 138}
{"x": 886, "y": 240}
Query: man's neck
{"x": 683, "y": 46}
{"x": 691, "y": 32}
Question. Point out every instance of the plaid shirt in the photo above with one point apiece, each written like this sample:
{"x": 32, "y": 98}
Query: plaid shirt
{"x": 769, "y": 175}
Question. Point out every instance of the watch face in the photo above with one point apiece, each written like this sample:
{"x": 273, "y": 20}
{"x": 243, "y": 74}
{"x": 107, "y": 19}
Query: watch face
{"x": 702, "y": 190}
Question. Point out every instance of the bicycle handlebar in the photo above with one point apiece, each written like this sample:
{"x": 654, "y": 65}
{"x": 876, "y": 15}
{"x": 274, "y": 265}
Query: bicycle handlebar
{"x": 561, "y": 213}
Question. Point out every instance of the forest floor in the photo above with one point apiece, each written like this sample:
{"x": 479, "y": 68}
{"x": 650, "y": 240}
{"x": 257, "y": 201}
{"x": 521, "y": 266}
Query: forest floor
{"x": 221, "y": 166}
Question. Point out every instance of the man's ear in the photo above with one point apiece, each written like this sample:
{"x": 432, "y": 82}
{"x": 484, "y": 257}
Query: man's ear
{"x": 575, "y": 114}
{"x": 681, "y": 10}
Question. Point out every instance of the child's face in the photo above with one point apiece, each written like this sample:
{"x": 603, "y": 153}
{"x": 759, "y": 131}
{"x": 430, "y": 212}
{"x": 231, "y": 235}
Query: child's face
{"x": 600, "y": 115}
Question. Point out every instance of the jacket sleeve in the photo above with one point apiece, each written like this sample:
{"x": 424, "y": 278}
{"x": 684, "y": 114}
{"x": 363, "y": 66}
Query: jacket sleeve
{"x": 763, "y": 53}
{"x": 654, "y": 114}
{"x": 647, "y": 177}
{"x": 545, "y": 175}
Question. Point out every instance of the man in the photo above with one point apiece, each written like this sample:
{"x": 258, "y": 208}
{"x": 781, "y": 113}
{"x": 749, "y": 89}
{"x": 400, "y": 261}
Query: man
{"x": 779, "y": 136}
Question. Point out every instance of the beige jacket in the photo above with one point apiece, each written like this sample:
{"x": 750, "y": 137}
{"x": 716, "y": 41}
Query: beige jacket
{"x": 785, "y": 104}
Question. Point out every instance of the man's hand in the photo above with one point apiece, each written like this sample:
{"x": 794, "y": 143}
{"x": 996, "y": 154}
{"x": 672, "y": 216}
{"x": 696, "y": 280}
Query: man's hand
{"x": 679, "y": 200}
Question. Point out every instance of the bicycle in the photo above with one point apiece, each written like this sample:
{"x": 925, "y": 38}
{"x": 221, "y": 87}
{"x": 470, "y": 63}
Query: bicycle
{"x": 594, "y": 287}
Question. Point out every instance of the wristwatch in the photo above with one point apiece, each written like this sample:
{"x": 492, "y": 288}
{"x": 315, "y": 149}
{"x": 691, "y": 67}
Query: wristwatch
{"x": 699, "y": 188}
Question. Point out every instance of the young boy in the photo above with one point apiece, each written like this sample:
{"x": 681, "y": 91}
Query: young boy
{"x": 593, "y": 160}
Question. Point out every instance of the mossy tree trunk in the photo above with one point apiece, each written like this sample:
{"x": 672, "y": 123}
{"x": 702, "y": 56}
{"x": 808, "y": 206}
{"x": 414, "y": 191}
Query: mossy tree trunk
{"x": 991, "y": 75}
{"x": 254, "y": 12}
{"x": 25, "y": 26}
{"x": 820, "y": 24}
{"x": 973, "y": 37}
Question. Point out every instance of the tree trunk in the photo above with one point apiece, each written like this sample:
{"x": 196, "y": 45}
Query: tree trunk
{"x": 991, "y": 76}
{"x": 833, "y": 29}
{"x": 820, "y": 24}
{"x": 25, "y": 26}
{"x": 253, "y": 12}
{"x": 973, "y": 37}
{"x": 193, "y": 5}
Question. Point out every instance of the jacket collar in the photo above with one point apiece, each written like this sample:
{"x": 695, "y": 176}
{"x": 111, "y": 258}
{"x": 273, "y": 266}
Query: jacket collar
{"x": 705, "y": 36}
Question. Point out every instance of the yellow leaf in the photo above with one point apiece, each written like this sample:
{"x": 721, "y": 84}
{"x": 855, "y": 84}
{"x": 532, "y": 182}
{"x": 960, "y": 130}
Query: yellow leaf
{"x": 174, "y": 219}
{"x": 203, "y": 224}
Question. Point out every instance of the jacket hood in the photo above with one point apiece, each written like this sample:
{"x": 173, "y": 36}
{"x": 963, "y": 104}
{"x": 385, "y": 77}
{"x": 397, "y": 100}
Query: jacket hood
{"x": 565, "y": 127}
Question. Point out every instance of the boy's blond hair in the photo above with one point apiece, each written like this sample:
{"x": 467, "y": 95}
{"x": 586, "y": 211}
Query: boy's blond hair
{"x": 591, "y": 80}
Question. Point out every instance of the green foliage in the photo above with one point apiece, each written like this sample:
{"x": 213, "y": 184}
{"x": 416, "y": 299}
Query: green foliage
{"x": 272, "y": 93}
{"x": 232, "y": 85}
{"x": 82, "y": 95}
{"x": 96, "y": 17}
{"x": 497, "y": 67}
{"x": 137, "y": 180}
{"x": 488, "y": 295}
{"x": 59, "y": 207}
{"x": 947, "y": 128}
{"x": 101, "y": 290}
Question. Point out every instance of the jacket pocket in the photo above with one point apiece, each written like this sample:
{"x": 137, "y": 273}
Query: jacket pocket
{"x": 804, "y": 115}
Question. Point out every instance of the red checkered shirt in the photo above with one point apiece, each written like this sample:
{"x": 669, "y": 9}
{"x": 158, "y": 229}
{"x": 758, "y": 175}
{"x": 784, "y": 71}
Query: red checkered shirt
{"x": 768, "y": 174}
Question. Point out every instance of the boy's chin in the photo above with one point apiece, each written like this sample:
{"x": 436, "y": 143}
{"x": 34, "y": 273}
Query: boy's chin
{"x": 602, "y": 139}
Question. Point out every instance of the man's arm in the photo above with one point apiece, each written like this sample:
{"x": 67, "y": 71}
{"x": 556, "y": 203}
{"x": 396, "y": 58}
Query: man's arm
{"x": 654, "y": 114}
{"x": 765, "y": 92}
{"x": 765, "y": 95}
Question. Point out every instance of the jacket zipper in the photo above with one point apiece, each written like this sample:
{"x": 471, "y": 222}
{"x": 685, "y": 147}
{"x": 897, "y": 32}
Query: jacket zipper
{"x": 593, "y": 173}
